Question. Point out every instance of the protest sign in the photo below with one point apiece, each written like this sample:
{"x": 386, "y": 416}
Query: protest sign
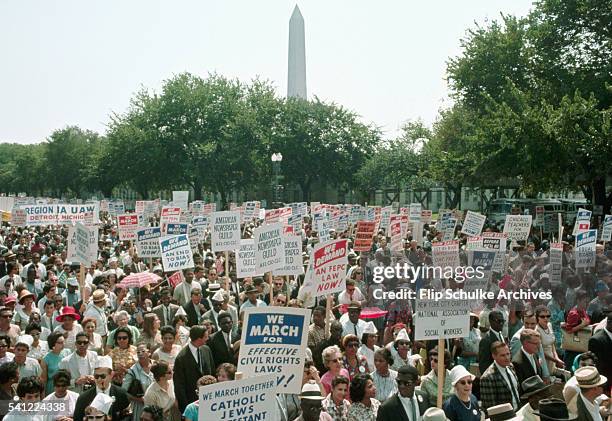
{"x": 555, "y": 265}
{"x": 147, "y": 242}
{"x": 415, "y": 212}
{"x": 176, "y": 252}
{"x": 550, "y": 223}
{"x": 225, "y": 234}
{"x": 449, "y": 229}
{"x": 194, "y": 239}
{"x": 496, "y": 241}
{"x": 239, "y": 400}
{"x": 274, "y": 341}
{"x": 269, "y": 247}
{"x": 58, "y": 214}
{"x": 169, "y": 215}
{"x": 606, "y": 230}
{"x": 128, "y": 225}
{"x": 385, "y": 217}
{"x": 479, "y": 262}
{"x": 517, "y": 227}
{"x": 180, "y": 199}
{"x": 18, "y": 217}
{"x": 342, "y": 222}
{"x": 329, "y": 267}
{"x": 538, "y": 221}
{"x": 417, "y": 233}
{"x": 176, "y": 278}
{"x": 426, "y": 216}
{"x": 445, "y": 254}
{"x": 294, "y": 264}
{"x": 176, "y": 229}
{"x": 82, "y": 244}
{"x": 473, "y": 223}
{"x": 354, "y": 214}
{"x": 325, "y": 225}
{"x": 583, "y": 221}
{"x": 249, "y": 211}
{"x": 246, "y": 264}
{"x": 295, "y": 221}
{"x": 364, "y": 235}
{"x": 395, "y": 230}
{"x": 435, "y": 319}
{"x": 585, "y": 249}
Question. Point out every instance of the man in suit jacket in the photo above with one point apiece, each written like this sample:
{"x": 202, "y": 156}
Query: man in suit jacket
{"x": 78, "y": 381}
{"x": 193, "y": 308}
{"x": 103, "y": 374}
{"x": 166, "y": 310}
{"x": 499, "y": 383}
{"x": 526, "y": 362}
{"x": 600, "y": 343}
{"x": 496, "y": 320}
{"x": 584, "y": 404}
{"x": 406, "y": 399}
{"x": 192, "y": 362}
{"x": 221, "y": 343}
{"x": 213, "y": 314}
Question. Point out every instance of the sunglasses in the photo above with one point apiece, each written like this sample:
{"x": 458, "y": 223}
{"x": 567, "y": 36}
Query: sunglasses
{"x": 434, "y": 360}
{"x": 464, "y": 382}
{"x": 122, "y": 338}
{"x": 543, "y": 316}
{"x": 82, "y": 342}
{"x": 403, "y": 343}
{"x": 94, "y": 417}
{"x": 352, "y": 345}
{"x": 6, "y": 316}
{"x": 281, "y": 301}
{"x": 62, "y": 385}
{"x": 405, "y": 383}
{"x": 99, "y": 376}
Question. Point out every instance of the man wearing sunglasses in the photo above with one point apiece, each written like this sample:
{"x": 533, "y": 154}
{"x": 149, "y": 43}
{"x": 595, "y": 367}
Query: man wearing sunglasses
{"x": 407, "y": 403}
{"x": 103, "y": 374}
{"x": 61, "y": 383}
{"x": 80, "y": 364}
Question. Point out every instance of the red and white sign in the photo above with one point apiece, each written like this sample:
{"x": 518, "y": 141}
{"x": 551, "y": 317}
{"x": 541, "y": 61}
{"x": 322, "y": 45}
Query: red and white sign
{"x": 128, "y": 225}
{"x": 329, "y": 267}
{"x": 364, "y": 235}
{"x": 169, "y": 215}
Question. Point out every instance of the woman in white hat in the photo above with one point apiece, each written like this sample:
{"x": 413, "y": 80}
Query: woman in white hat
{"x": 463, "y": 405}
{"x": 400, "y": 348}
{"x": 368, "y": 340}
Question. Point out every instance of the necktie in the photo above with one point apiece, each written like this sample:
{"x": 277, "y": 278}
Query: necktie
{"x": 413, "y": 409}
{"x": 355, "y": 327}
{"x": 199, "y": 362}
{"x": 229, "y": 343}
{"x": 512, "y": 386}
{"x": 166, "y": 321}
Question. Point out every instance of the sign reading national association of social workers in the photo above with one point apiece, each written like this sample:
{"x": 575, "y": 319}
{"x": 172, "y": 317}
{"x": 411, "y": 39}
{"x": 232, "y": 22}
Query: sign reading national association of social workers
{"x": 128, "y": 225}
{"x": 517, "y": 227}
{"x": 274, "y": 341}
{"x": 473, "y": 223}
{"x": 239, "y": 400}
{"x": 176, "y": 252}
{"x": 147, "y": 242}
{"x": 586, "y": 243}
{"x": 294, "y": 264}
{"x": 82, "y": 244}
{"x": 225, "y": 235}
{"x": 437, "y": 318}
{"x": 583, "y": 221}
{"x": 329, "y": 262}
{"x": 269, "y": 247}
{"x": 606, "y": 230}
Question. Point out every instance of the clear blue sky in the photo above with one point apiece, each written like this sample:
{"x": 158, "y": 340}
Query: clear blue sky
{"x": 74, "y": 62}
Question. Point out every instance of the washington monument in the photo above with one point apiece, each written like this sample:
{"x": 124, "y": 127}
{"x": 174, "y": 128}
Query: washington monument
{"x": 296, "y": 74}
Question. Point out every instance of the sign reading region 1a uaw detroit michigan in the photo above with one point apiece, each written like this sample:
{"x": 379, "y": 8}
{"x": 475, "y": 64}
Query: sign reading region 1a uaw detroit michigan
{"x": 274, "y": 341}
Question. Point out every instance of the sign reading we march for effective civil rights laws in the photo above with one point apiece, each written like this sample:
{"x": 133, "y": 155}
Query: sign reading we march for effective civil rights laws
{"x": 239, "y": 400}
{"x": 274, "y": 341}
{"x": 147, "y": 242}
{"x": 176, "y": 252}
{"x": 437, "y": 318}
{"x": 269, "y": 247}
{"x": 225, "y": 235}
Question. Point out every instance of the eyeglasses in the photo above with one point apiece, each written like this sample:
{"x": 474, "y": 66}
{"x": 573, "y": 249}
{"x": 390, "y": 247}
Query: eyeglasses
{"x": 94, "y": 417}
{"x": 100, "y": 376}
{"x": 82, "y": 342}
{"x": 434, "y": 360}
{"x": 352, "y": 345}
{"x": 3, "y": 345}
{"x": 281, "y": 301}
{"x": 122, "y": 338}
{"x": 464, "y": 382}
{"x": 403, "y": 343}
{"x": 544, "y": 316}
{"x": 405, "y": 383}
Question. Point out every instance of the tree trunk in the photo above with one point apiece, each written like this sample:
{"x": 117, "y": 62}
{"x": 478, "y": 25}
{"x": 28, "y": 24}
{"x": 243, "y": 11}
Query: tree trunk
{"x": 305, "y": 186}
{"x": 599, "y": 194}
{"x": 197, "y": 190}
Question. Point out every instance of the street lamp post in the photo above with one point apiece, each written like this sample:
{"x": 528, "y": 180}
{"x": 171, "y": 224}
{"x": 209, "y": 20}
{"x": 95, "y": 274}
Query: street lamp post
{"x": 277, "y": 188}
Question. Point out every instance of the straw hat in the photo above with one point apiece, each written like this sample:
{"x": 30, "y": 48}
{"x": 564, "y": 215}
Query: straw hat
{"x": 311, "y": 391}
{"x": 589, "y": 377}
{"x": 502, "y": 412}
{"x": 25, "y": 294}
{"x": 434, "y": 414}
{"x": 98, "y": 296}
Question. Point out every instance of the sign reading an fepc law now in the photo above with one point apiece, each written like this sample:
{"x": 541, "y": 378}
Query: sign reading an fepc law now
{"x": 329, "y": 267}
{"x": 274, "y": 341}
{"x": 239, "y": 400}
{"x": 176, "y": 252}
{"x": 437, "y": 318}
{"x": 225, "y": 234}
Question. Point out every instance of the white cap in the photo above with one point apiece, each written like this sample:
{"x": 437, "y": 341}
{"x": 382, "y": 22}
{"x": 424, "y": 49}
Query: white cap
{"x": 102, "y": 403}
{"x": 180, "y": 312}
{"x": 311, "y": 390}
{"x": 219, "y": 297}
{"x": 458, "y": 372}
{"x": 434, "y": 414}
{"x": 370, "y": 328}
{"x": 402, "y": 335}
{"x": 104, "y": 362}
{"x": 73, "y": 282}
{"x": 25, "y": 340}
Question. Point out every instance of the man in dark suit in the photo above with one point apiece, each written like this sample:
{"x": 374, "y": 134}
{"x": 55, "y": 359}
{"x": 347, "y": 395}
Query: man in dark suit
{"x": 498, "y": 383}
{"x": 526, "y": 362}
{"x": 394, "y": 408}
{"x": 166, "y": 310}
{"x": 103, "y": 373}
{"x": 192, "y": 362}
{"x": 222, "y": 343}
{"x": 600, "y": 343}
{"x": 496, "y": 320}
{"x": 213, "y": 314}
{"x": 193, "y": 308}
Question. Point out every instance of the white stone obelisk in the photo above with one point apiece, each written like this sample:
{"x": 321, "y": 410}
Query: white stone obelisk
{"x": 296, "y": 75}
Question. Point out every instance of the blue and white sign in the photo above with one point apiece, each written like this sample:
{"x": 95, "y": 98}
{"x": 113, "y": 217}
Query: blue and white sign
{"x": 176, "y": 252}
{"x": 176, "y": 229}
{"x": 147, "y": 242}
{"x": 274, "y": 341}
{"x": 585, "y": 249}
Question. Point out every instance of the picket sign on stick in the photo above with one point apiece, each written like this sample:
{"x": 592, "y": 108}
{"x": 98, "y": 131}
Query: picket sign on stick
{"x": 441, "y": 371}
{"x": 287, "y": 288}
{"x": 271, "y": 288}
{"x": 227, "y": 270}
{"x": 328, "y": 310}
{"x": 82, "y": 283}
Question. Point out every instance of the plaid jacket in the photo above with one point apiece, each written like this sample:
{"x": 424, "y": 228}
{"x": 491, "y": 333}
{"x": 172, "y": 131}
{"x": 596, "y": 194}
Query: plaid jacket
{"x": 493, "y": 388}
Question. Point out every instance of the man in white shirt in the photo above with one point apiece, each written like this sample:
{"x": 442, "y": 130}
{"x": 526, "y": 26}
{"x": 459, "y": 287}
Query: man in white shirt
{"x": 352, "y": 293}
{"x": 41, "y": 270}
{"x": 352, "y": 324}
{"x": 182, "y": 292}
{"x": 252, "y": 300}
{"x": 61, "y": 383}
{"x": 584, "y": 404}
